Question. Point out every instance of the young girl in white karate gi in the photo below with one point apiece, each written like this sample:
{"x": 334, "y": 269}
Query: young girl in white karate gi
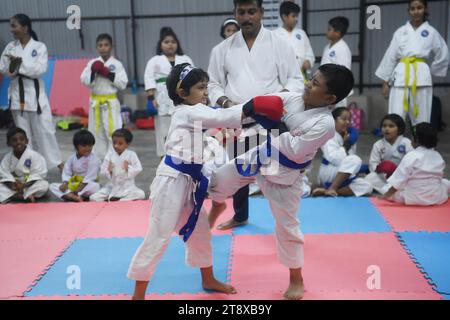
{"x": 407, "y": 66}
{"x": 25, "y": 60}
{"x": 338, "y": 173}
{"x": 80, "y": 171}
{"x": 168, "y": 54}
{"x": 309, "y": 126}
{"x": 388, "y": 152}
{"x": 121, "y": 166}
{"x": 105, "y": 76}
{"x": 22, "y": 171}
{"x": 419, "y": 179}
{"x": 179, "y": 189}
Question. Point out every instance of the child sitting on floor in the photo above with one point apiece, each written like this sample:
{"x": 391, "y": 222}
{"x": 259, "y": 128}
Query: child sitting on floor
{"x": 418, "y": 179}
{"x": 338, "y": 174}
{"x": 388, "y": 152}
{"x": 80, "y": 171}
{"x": 22, "y": 171}
{"x": 120, "y": 166}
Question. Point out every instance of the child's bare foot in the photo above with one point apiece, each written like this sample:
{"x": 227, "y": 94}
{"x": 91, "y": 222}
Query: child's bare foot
{"x": 216, "y": 210}
{"x": 296, "y": 291}
{"x": 319, "y": 192}
{"x": 217, "y": 286}
{"x": 331, "y": 193}
{"x": 71, "y": 197}
{"x": 32, "y": 199}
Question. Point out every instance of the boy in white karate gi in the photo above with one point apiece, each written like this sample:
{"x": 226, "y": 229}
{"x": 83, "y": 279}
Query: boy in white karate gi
{"x": 388, "y": 152}
{"x": 25, "y": 60}
{"x": 337, "y": 51}
{"x": 22, "y": 171}
{"x": 405, "y": 70}
{"x": 80, "y": 171}
{"x": 289, "y": 12}
{"x": 105, "y": 77}
{"x": 310, "y": 124}
{"x": 180, "y": 187}
{"x": 419, "y": 179}
{"x": 121, "y": 166}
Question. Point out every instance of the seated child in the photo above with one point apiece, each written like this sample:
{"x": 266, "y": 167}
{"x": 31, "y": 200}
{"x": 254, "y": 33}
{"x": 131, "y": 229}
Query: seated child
{"x": 120, "y": 166}
{"x": 418, "y": 179}
{"x": 80, "y": 171}
{"x": 22, "y": 171}
{"x": 338, "y": 174}
{"x": 388, "y": 152}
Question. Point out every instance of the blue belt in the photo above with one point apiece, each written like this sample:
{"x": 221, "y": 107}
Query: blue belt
{"x": 201, "y": 190}
{"x": 283, "y": 160}
{"x": 325, "y": 162}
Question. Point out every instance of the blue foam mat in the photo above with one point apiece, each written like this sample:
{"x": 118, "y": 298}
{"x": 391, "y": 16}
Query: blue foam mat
{"x": 47, "y": 78}
{"x": 321, "y": 216}
{"x": 104, "y": 263}
{"x": 432, "y": 252}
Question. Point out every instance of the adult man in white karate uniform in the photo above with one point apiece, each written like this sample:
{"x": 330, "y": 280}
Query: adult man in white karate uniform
{"x": 252, "y": 62}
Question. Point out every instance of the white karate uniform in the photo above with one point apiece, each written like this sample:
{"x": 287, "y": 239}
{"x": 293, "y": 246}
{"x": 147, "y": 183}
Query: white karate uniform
{"x": 121, "y": 185}
{"x": 340, "y": 54}
{"x": 342, "y": 162}
{"x": 241, "y": 74}
{"x": 40, "y": 128}
{"x": 282, "y": 186}
{"x": 30, "y": 167}
{"x": 424, "y": 42}
{"x": 172, "y": 191}
{"x": 384, "y": 151}
{"x": 300, "y": 43}
{"x": 214, "y": 156}
{"x": 110, "y": 108}
{"x": 156, "y": 72}
{"x": 86, "y": 167}
{"x": 419, "y": 179}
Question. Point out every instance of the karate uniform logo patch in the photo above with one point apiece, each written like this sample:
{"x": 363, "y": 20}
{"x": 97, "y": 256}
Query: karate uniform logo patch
{"x": 27, "y": 163}
{"x": 425, "y": 33}
{"x": 333, "y": 54}
{"x": 112, "y": 68}
{"x": 299, "y": 36}
{"x": 401, "y": 149}
{"x": 34, "y": 53}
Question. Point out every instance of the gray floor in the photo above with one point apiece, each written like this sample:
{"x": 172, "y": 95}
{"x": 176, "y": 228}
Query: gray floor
{"x": 144, "y": 145}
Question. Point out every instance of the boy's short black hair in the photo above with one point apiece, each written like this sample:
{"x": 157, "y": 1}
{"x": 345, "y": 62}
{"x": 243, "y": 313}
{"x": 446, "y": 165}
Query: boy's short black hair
{"x": 104, "y": 36}
{"x": 399, "y": 122}
{"x": 194, "y": 77}
{"x": 124, "y": 133}
{"x": 288, "y": 7}
{"x": 12, "y": 132}
{"x": 258, "y": 2}
{"x": 339, "y": 111}
{"x": 340, "y": 80}
{"x": 83, "y": 138}
{"x": 426, "y": 135}
{"x": 340, "y": 24}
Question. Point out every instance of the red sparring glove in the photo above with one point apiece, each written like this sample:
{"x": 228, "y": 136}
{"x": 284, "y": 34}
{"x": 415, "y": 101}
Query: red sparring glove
{"x": 104, "y": 72}
{"x": 387, "y": 167}
{"x": 97, "y": 66}
{"x": 270, "y": 107}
